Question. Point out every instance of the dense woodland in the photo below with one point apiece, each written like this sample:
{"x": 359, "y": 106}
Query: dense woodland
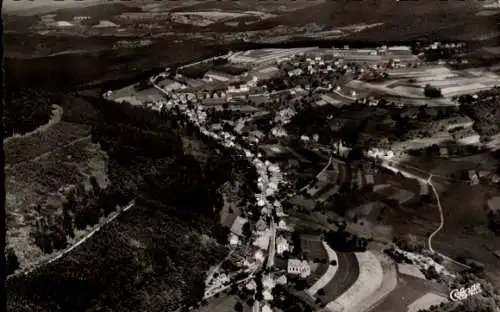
{"x": 155, "y": 255}
{"x": 25, "y": 110}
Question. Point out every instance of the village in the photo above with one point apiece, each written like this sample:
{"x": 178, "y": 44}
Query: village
{"x": 289, "y": 244}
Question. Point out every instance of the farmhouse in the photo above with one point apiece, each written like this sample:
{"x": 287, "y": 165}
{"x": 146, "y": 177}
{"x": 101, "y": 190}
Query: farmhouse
{"x": 281, "y": 245}
{"x": 298, "y": 267}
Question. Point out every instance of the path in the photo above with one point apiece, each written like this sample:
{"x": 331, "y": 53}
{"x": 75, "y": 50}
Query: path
{"x": 441, "y": 225}
{"x": 62, "y": 253}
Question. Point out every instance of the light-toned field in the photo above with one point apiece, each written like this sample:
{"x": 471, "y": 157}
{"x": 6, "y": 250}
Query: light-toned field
{"x": 409, "y": 83}
{"x": 389, "y": 283}
{"x": 408, "y": 290}
{"x": 128, "y": 94}
{"x": 426, "y": 301}
{"x": 37, "y": 167}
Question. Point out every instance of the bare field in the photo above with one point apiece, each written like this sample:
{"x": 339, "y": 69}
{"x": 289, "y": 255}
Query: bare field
{"x": 61, "y": 156}
{"x": 408, "y": 290}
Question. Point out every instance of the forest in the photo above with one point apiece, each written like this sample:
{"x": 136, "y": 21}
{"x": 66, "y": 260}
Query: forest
{"x": 25, "y": 110}
{"x": 154, "y": 256}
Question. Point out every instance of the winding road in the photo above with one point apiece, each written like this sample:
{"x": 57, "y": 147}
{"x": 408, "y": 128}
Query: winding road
{"x": 427, "y": 181}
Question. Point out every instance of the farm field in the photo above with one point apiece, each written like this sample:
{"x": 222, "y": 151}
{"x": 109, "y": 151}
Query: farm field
{"x": 344, "y": 278}
{"x": 410, "y": 83}
{"x": 465, "y": 232}
{"x": 37, "y": 167}
{"x": 130, "y": 95}
{"x": 408, "y": 290}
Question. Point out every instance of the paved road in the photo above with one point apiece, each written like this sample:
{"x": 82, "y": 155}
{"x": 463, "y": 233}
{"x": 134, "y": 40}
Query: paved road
{"x": 272, "y": 245}
{"x": 345, "y": 276}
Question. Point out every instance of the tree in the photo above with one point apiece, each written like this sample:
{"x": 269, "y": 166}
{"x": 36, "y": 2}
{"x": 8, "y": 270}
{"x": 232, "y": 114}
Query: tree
{"x": 247, "y": 232}
{"x": 432, "y": 92}
{"x": 11, "y": 261}
{"x": 238, "y": 307}
{"x": 95, "y": 185}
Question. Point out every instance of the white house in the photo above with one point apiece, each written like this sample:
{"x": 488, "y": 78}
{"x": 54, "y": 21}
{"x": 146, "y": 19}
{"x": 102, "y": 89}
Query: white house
{"x": 233, "y": 239}
{"x": 267, "y": 308}
{"x": 298, "y": 267}
{"x": 281, "y": 245}
{"x": 474, "y": 179}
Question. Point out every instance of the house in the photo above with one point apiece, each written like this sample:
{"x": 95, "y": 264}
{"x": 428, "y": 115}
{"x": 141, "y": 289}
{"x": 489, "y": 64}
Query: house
{"x": 281, "y": 245}
{"x": 259, "y": 256}
{"x": 282, "y": 280}
{"x": 267, "y": 308}
{"x": 295, "y": 72}
{"x": 261, "y": 225}
{"x": 369, "y": 179}
{"x": 443, "y": 151}
{"x": 251, "y": 285}
{"x": 298, "y": 267}
{"x": 233, "y": 239}
{"x": 474, "y": 179}
{"x": 267, "y": 296}
{"x": 268, "y": 282}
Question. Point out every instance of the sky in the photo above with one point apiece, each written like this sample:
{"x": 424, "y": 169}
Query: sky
{"x": 13, "y": 6}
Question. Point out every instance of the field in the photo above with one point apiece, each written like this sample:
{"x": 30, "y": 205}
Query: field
{"x": 37, "y": 167}
{"x": 408, "y": 290}
{"x": 465, "y": 232}
{"x": 410, "y": 83}
{"x": 130, "y": 95}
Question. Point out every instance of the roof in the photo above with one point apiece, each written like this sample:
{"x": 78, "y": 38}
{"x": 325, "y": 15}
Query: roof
{"x": 237, "y": 227}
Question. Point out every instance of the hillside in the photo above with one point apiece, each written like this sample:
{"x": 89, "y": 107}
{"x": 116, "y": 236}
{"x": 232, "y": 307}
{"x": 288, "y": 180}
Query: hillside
{"x": 142, "y": 255}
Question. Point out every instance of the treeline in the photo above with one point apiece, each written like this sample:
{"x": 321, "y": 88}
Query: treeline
{"x": 25, "y": 110}
{"x": 81, "y": 209}
{"x": 156, "y": 256}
